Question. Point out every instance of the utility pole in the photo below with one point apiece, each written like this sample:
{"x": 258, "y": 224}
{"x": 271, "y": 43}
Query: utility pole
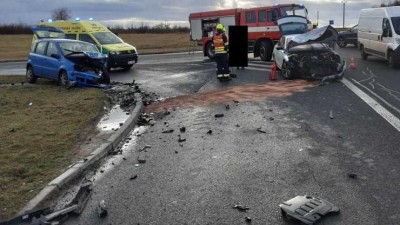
{"x": 344, "y": 8}
{"x": 317, "y": 16}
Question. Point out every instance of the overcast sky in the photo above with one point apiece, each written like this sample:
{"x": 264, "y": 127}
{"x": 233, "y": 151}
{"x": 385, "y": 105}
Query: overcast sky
{"x": 174, "y": 12}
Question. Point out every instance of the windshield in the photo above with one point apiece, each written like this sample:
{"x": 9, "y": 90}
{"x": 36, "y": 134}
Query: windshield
{"x": 396, "y": 24}
{"x": 295, "y": 10}
{"x": 293, "y": 28}
{"x": 105, "y": 38}
{"x": 69, "y": 47}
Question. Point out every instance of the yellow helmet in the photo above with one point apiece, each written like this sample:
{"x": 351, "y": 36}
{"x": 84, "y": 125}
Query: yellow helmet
{"x": 220, "y": 27}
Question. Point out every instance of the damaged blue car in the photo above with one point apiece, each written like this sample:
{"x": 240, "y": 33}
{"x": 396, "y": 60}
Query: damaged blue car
{"x": 70, "y": 62}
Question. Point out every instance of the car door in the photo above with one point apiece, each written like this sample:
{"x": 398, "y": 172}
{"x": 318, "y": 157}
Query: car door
{"x": 279, "y": 50}
{"x": 52, "y": 61}
{"x": 386, "y": 38}
{"x": 352, "y": 38}
{"x": 37, "y": 58}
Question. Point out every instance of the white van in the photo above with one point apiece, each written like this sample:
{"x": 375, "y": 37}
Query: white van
{"x": 379, "y": 34}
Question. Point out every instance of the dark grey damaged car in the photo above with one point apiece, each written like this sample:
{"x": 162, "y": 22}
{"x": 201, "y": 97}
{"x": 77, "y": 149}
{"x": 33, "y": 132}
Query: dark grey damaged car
{"x": 310, "y": 55}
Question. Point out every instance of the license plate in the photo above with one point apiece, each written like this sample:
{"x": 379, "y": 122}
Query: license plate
{"x": 131, "y": 62}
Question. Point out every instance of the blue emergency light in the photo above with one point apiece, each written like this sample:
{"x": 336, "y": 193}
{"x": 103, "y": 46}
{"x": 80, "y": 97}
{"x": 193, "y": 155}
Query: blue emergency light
{"x": 77, "y": 19}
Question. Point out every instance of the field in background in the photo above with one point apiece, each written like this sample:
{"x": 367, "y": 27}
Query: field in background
{"x": 17, "y": 46}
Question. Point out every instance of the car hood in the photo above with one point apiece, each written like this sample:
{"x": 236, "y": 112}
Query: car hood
{"x": 326, "y": 34}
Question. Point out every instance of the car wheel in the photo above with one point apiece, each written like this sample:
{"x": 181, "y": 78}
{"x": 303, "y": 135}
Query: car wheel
{"x": 63, "y": 79}
{"x": 285, "y": 71}
{"x": 391, "y": 60}
{"x": 210, "y": 50}
{"x": 265, "y": 51}
{"x": 341, "y": 42}
{"x": 364, "y": 55}
{"x": 30, "y": 76}
{"x": 127, "y": 67}
{"x": 105, "y": 77}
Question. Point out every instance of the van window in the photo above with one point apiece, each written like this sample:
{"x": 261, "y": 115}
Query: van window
{"x": 250, "y": 17}
{"x": 41, "y": 47}
{"x": 86, "y": 38}
{"x": 396, "y": 24}
{"x": 51, "y": 49}
{"x": 106, "y": 38}
{"x": 70, "y": 36}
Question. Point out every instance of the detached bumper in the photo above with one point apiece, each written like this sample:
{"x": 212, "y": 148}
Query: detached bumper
{"x": 85, "y": 79}
{"x": 122, "y": 60}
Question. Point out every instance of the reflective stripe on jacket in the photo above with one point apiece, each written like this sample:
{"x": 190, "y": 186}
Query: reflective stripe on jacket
{"x": 219, "y": 45}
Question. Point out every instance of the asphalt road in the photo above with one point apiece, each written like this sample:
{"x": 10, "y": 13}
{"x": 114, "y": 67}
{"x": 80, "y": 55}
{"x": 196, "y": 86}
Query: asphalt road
{"x": 277, "y": 140}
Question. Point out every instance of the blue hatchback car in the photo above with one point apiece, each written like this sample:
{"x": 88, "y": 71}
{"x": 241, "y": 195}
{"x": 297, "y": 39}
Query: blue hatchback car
{"x": 68, "y": 61}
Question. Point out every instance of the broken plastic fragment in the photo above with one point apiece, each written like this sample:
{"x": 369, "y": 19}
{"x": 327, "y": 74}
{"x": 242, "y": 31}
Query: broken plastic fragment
{"x": 241, "y": 207}
{"x": 307, "y": 209}
{"x": 219, "y": 115}
{"x": 102, "y": 209}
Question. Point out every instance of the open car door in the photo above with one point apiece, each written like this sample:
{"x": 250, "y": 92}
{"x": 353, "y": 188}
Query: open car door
{"x": 41, "y": 31}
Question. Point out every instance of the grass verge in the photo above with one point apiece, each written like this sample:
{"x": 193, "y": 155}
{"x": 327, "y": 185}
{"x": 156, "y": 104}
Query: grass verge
{"x": 40, "y": 128}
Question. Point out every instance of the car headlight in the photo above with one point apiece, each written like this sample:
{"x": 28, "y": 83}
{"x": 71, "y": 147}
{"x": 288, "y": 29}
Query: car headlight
{"x": 115, "y": 52}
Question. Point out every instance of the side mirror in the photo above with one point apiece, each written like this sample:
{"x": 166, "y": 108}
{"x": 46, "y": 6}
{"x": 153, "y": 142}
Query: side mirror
{"x": 56, "y": 56}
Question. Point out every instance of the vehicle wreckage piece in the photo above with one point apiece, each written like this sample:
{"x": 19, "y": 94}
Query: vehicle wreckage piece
{"x": 307, "y": 209}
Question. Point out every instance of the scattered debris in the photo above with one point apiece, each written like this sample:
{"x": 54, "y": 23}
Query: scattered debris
{"x": 176, "y": 152}
{"x": 248, "y": 219}
{"x": 237, "y": 125}
{"x": 12, "y": 130}
{"x": 227, "y": 107}
{"x": 209, "y": 132}
{"x": 183, "y": 129}
{"x": 261, "y": 131}
{"x": 235, "y": 101}
{"x": 144, "y": 148}
{"x": 352, "y": 175}
{"x": 307, "y": 209}
{"x": 167, "y": 112}
{"x": 133, "y": 177}
{"x": 331, "y": 114}
{"x": 102, "y": 209}
{"x": 30, "y": 103}
{"x": 168, "y": 131}
{"x": 141, "y": 160}
{"x": 241, "y": 207}
{"x": 219, "y": 115}
{"x": 271, "y": 118}
{"x": 181, "y": 139}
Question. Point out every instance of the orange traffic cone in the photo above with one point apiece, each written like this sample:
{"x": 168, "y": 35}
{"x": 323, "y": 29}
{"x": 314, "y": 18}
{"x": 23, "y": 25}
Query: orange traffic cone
{"x": 272, "y": 75}
{"x": 352, "y": 63}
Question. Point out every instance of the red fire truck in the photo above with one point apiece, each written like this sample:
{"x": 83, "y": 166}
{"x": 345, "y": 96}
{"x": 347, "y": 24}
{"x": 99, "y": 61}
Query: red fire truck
{"x": 263, "y": 30}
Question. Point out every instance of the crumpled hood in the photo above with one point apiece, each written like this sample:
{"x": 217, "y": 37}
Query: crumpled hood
{"x": 326, "y": 34}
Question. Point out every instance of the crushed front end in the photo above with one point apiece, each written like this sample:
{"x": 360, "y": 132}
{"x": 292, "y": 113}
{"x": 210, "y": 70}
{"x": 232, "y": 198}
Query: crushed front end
{"x": 90, "y": 69}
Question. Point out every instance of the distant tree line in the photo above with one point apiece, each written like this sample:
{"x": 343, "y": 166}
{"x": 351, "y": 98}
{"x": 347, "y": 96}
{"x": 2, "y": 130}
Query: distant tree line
{"x": 142, "y": 29}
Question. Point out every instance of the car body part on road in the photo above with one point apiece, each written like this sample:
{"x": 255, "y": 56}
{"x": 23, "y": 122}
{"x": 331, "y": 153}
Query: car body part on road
{"x": 68, "y": 61}
{"x": 262, "y": 26}
{"x": 347, "y": 37}
{"x": 310, "y": 55}
{"x": 379, "y": 34}
{"x": 120, "y": 53}
{"x": 307, "y": 209}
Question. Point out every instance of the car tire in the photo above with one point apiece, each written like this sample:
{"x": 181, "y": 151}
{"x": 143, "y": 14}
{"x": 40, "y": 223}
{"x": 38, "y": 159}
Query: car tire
{"x": 210, "y": 50}
{"x": 285, "y": 72}
{"x": 63, "y": 79}
{"x": 364, "y": 55}
{"x": 265, "y": 51}
{"x": 30, "y": 76}
{"x": 341, "y": 43}
{"x": 391, "y": 60}
{"x": 105, "y": 77}
{"x": 127, "y": 67}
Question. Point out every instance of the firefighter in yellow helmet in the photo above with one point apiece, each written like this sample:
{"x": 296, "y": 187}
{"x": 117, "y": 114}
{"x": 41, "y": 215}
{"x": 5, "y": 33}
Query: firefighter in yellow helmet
{"x": 220, "y": 41}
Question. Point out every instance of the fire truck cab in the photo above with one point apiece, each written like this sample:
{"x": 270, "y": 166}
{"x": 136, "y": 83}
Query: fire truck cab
{"x": 263, "y": 30}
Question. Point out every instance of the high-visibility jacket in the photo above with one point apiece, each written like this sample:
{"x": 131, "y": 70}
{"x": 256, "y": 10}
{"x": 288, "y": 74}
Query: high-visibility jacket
{"x": 219, "y": 43}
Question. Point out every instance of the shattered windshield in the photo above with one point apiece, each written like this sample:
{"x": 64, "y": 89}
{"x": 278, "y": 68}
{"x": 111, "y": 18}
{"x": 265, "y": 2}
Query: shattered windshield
{"x": 68, "y": 47}
{"x": 107, "y": 38}
{"x": 296, "y": 10}
{"x": 396, "y": 24}
{"x": 293, "y": 28}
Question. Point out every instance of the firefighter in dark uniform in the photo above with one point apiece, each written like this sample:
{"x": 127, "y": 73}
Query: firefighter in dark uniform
{"x": 220, "y": 41}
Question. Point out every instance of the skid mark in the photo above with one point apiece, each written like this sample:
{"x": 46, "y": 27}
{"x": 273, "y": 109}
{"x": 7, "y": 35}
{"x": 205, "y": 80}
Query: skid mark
{"x": 239, "y": 93}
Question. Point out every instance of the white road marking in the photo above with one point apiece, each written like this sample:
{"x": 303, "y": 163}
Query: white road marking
{"x": 388, "y": 116}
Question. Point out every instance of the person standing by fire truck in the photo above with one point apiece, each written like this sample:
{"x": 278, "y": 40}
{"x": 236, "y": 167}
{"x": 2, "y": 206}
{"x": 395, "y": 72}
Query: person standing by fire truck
{"x": 220, "y": 41}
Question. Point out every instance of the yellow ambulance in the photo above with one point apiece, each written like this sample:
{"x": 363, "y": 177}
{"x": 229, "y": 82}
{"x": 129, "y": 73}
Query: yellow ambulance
{"x": 120, "y": 54}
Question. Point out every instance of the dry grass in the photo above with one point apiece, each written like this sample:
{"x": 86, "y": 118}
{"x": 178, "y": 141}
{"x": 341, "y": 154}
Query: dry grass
{"x": 17, "y": 47}
{"x": 37, "y": 140}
